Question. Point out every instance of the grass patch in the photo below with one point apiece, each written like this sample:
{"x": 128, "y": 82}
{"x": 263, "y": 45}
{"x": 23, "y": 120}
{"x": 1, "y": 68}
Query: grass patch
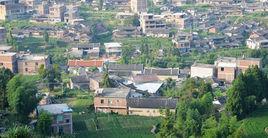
{"x": 254, "y": 126}
{"x": 91, "y": 125}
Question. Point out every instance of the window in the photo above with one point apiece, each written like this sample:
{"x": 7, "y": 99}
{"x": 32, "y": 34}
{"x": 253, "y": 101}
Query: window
{"x": 1, "y": 64}
{"x": 36, "y": 63}
{"x": 67, "y": 120}
{"x": 102, "y": 101}
{"x": 26, "y": 63}
{"x": 26, "y": 69}
{"x": 222, "y": 69}
{"x": 118, "y": 101}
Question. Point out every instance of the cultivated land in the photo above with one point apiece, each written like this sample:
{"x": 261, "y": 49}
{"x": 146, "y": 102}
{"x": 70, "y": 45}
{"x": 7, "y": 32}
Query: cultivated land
{"x": 254, "y": 126}
{"x": 88, "y": 124}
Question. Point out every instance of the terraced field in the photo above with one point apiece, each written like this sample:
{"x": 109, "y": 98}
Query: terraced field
{"x": 87, "y": 124}
{"x": 254, "y": 126}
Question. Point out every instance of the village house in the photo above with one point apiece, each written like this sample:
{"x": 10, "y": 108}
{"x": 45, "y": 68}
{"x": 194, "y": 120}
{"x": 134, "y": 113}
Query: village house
{"x": 150, "y": 106}
{"x": 179, "y": 20}
{"x": 90, "y": 51}
{"x": 122, "y": 5}
{"x": 95, "y": 81}
{"x": 138, "y": 6}
{"x": 8, "y": 60}
{"x": 29, "y": 64}
{"x": 127, "y": 31}
{"x": 111, "y": 100}
{"x": 56, "y": 12}
{"x": 12, "y": 10}
{"x": 163, "y": 73}
{"x": 228, "y": 68}
{"x": 62, "y": 122}
{"x": 75, "y": 65}
{"x": 153, "y": 25}
{"x": 183, "y": 41}
{"x": 79, "y": 82}
{"x": 202, "y": 70}
{"x": 113, "y": 49}
{"x": 258, "y": 39}
{"x": 125, "y": 69}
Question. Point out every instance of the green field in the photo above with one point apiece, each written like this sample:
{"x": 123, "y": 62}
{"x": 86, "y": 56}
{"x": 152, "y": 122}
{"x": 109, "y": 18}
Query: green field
{"x": 91, "y": 125}
{"x": 254, "y": 126}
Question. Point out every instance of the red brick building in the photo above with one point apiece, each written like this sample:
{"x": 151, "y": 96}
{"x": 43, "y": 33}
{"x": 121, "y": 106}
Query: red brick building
{"x": 110, "y": 100}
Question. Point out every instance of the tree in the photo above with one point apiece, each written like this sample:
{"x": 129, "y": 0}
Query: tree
{"x": 51, "y": 76}
{"x": 5, "y": 76}
{"x": 167, "y": 125}
{"x": 22, "y": 97}
{"x": 135, "y": 20}
{"x": 46, "y": 37}
{"x": 44, "y": 124}
{"x": 236, "y": 94}
{"x": 127, "y": 53}
{"x": 19, "y": 132}
{"x": 247, "y": 91}
{"x": 106, "y": 82}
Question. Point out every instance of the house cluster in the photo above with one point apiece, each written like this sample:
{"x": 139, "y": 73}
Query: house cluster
{"x": 77, "y": 33}
{"x": 136, "y": 89}
{"x": 23, "y": 63}
{"x": 225, "y": 69}
{"x": 258, "y": 39}
{"x": 127, "y": 102}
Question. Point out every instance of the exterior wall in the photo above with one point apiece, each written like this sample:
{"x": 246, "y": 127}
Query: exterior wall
{"x": 202, "y": 72}
{"x": 245, "y": 64}
{"x": 57, "y": 12}
{"x": 3, "y": 12}
{"x": 227, "y": 74}
{"x": 30, "y": 67}
{"x": 93, "y": 84}
{"x": 146, "y": 111}
{"x": 8, "y": 61}
{"x": 139, "y": 6}
{"x": 163, "y": 78}
{"x": 104, "y": 104}
{"x": 64, "y": 126}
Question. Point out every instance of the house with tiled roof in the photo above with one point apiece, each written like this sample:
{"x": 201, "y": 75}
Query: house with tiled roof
{"x": 150, "y": 106}
{"x": 75, "y": 65}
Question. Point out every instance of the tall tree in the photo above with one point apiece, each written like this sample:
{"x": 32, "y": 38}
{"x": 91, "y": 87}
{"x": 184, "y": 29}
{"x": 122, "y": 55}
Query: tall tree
{"x": 106, "y": 82}
{"x": 44, "y": 124}
{"x": 50, "y": 76}
{"x": 46, "y": 37}
{"x": 5, "y": 76}
{"x": 22, "y": 97}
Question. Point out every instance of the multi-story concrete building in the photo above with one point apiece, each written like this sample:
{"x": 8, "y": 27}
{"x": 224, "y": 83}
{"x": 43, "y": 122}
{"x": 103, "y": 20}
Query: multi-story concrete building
{"x": 139, "y": 6}
{"x": 180, "y": 20}
{"x": 8, "y": 60}
{"x": 228, "y": 68}
{"x": 12, "y": 11}
{"x": 153, "y": 25}
{"x": 62, "y": 122}
{"x": 111, "y": 100}
{"x": 113, "y": 49}
{"x": 29, "y": 64}
{"x": 56, "y": 12}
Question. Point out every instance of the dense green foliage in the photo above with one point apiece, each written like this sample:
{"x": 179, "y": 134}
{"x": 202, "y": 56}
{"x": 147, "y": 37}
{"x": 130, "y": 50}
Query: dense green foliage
{"x": 44, "y": 123}
{"x": 22, "y": 97}
{"x": 50, "y": 76}
{"x": 5, "y": 76}
{"x": 246, "y": 92}
{"x": 18, "y": 132}
{"x": 106, "y": 81}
